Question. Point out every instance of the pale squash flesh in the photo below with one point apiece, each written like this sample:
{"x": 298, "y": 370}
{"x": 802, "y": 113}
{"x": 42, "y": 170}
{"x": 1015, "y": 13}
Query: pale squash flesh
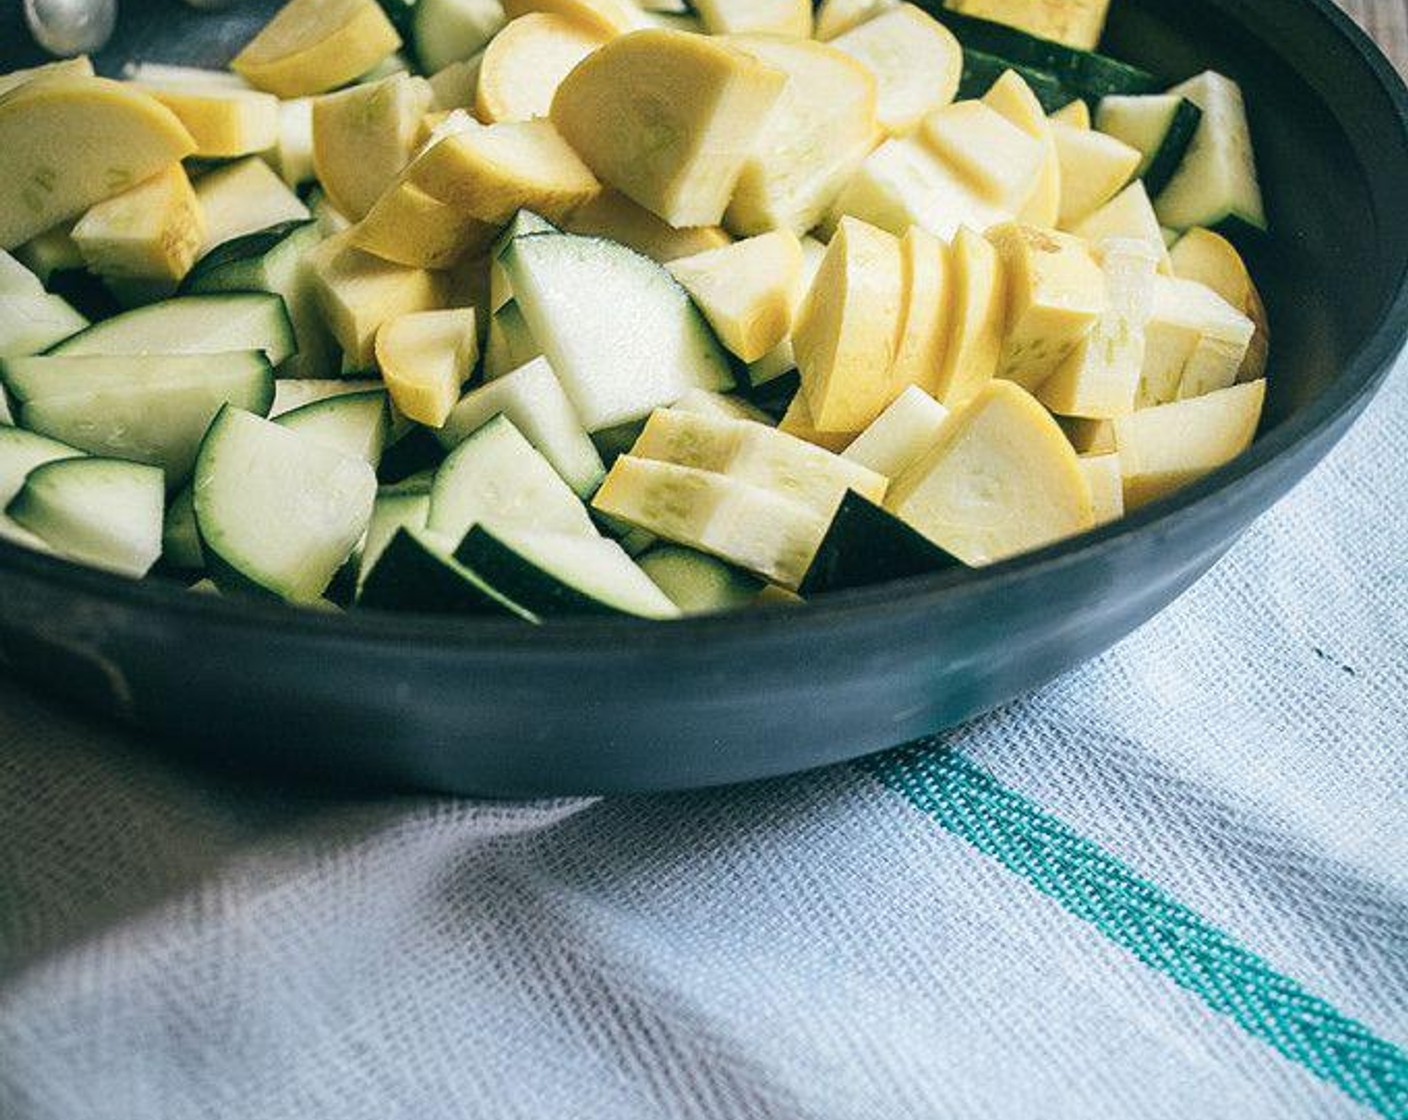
{"x": 746, "y": 290}
{"x": 150, "y": 233}
{"x": 525, "y": 63}
{"x": 425, "y": 357}
{"x": 916, "y": 61}
{"x": 364, "y": 136}
{"x": 312, "y": 46}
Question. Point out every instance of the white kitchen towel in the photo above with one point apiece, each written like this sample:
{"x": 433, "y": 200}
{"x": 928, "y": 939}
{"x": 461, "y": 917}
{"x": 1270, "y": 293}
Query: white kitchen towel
{"x": 1172, "y": 884}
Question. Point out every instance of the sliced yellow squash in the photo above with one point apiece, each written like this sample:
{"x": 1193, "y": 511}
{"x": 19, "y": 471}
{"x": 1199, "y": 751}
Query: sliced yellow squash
{"x": 79, "y": 67}
{"x": 928, "y": 307}
{"x": 1089, "y": 437}
{"x": 746, "y": 290}
{"x": 1076, "y": 114}
{"x": 848, "y": 329}
{"x": 525, "y": 63}
{"x": 1211, "y": 259}
{"x": 1195, "y": 342}
{"x": 1001, "y": 480}
{"x": 1077, "y": 23}
{"x": 797, "y": 421}
{"x": 791, "y": 18}
{"x": 425, "y": 357}
{"x": 491, "y": 173}
{"x": 978, "y": 316}
{"x": 836, "y": 17}
{"x": 1106, "y": 482}
{"x": 611, "y": 17}
{"x": 454, "y": 86}
{"x": 1094, "y": 168}
{"x": 312, "y": 46}
{"x": 916, "y": 61}
{"x": 359, "y": 292}
{"x": 1055, "y": 296}
{"x": 244, "y": 197}
{"x": 1011, "y": 96}
{"x": 412, "y": 228}
{"x": 820, "y": 131}
{"x": 1165, "y": 448}
{"x": 150, "y": 233}
{"x": 991, "y": 154}
{"x": 363, "y": 136}
{"x": 71, "y": 142}
{"x": 224, "y": 123}
{"x": 612, "y": 215}
{"x": 1128, "y": 216}
{"x": 668, "y": 118}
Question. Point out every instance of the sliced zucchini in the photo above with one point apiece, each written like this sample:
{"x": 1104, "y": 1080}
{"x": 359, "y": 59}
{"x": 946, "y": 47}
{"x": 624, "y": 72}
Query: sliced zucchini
{"x": 289, "y": 395}
{"x": 981, "y": 71}
{"x": 511, "y": 344}
{"x": 277, "y": 511}
{"x": 21, "y": 452}
{"x": 148, "y": 408}
{"x": 752, "y": 528}
{"x": 562, "y": 573}
{"x": 1160, "y": 125}
{"x": 917, "y": 64}
{"x": 209, "y": 324}
{"x": 17, "y": 280}
{"x": 180, "y": 537}
{"x": 864, "y": 546}
{"x": 533, "y": 399}
{"x": 102, "y": 512}
{"x": 292, "y": 156}
{"x": 356, "y": 424}
{"x": 446, "y": 31}
{"x": 496, "y": 475}
{"x": 697, "y": 583}
{"x": 1216, "y": 183}
{"x": 900, "y": 434}
{"x": 765, "y": 457}
{"x": 32, "y": 324}
{"x": 244, "y": 197}
{"x": 524, "y": 223}
{"x": 51, "y": 254}
{"x": 615, "y": 369}
{"x": 1165, "y": 448}
{"x": 1086, "y": 73}
{"x": 396, "y": 508}
{"x": 416, "y": 574}
{"x": 272, "y": 260}
{"x": 721, "y": 404}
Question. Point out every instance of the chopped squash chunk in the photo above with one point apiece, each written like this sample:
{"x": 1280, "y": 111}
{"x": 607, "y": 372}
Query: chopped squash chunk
{"x": 312, "y": 46}
{"x": 916, "y": 61}
{"x": 364, "y": 136}
{"x": 425, "y": 357}
{"x": 746, "y": 290}
{"x": 525, "y": 63}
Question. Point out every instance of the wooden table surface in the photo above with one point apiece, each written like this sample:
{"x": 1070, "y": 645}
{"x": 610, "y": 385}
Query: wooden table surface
{"x": 1387, "y": 21}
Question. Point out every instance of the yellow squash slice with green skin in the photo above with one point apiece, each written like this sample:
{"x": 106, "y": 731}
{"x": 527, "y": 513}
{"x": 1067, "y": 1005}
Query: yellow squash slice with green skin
{"x": 409, "y": 227}
{"x": 792, "y": 18}
{"x": 1211, "y": 259}
{"x": 928, "y": 306}
{"x": 1094, "y": 168}
{"x": 491, "y": 173}
{"x": 751, "y": 527}
{"x": 364, "y": 136}
{"x": 745, "y": 290}
{"x": 1001, "y": 480}
{"x": 992, "y": 155}
{"x": 611, "y": 17}
{"x": 1165, "y": 448}
{"x": 312, "y": 46}
{"x": 978, "y": 315}
{"x": 359, "y": 292}
{"x": 614, "y": 216}
{"x": 1055, "y": 296}
{"x": 821, "y": 129}
{"x": 916, "y": 61}
{"x": 151, "y": 233}
{"x": 1077, "y": 23}
{"x": 1011, "y": 96}
{"x": 69, "y": 143}
{"x": 669, "y": 119}
{"x": 425, "y": 357}
{"x": 848, "y": 330}
{"x": 525, "y": 63}
{"x": 224, "y": 122}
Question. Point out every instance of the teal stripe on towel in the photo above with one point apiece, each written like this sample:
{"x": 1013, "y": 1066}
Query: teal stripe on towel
{"x": 1148, "y": 922}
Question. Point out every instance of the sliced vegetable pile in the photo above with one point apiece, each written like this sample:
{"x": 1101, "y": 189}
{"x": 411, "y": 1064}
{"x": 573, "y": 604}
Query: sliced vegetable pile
{"x": 559, "y": 307}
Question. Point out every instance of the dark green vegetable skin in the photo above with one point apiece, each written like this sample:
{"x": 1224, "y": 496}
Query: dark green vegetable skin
{"x": 865, "y": 546}
{"x": 410, "y": 578}
{"x": 1175, "y": 145}
{"x": 519, "y": 579}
